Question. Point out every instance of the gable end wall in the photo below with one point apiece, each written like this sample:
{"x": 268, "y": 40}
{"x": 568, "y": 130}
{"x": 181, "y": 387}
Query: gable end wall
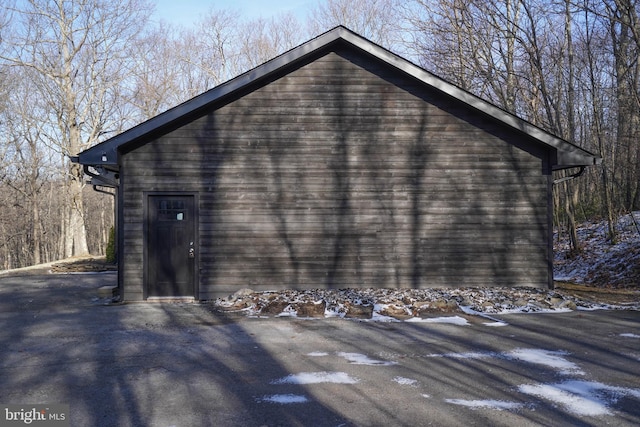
{"x": 343, "y": 174}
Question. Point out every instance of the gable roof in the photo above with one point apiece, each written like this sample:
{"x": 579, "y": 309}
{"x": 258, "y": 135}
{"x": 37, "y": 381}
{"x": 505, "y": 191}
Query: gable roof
{"x": 104, "y": 155}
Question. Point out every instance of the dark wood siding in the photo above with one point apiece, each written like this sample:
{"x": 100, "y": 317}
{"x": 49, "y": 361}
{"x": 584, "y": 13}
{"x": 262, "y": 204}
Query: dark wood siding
{"x": 343, "y": 173}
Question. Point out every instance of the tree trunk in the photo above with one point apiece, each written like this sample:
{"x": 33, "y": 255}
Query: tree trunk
{"x": 37, "y": 230}
{"x": 76, "y": 235}
{"x": 598, "y": 131}
{"x": 569, "y": 208}
{"x": 571, "y": 197}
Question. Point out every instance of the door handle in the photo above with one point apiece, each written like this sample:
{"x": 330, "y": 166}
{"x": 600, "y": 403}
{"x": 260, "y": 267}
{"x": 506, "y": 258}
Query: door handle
{"x": 192, "y": 250}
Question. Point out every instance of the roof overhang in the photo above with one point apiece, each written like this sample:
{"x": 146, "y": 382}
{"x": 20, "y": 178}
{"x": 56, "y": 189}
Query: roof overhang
{"x": 105, "y": 154}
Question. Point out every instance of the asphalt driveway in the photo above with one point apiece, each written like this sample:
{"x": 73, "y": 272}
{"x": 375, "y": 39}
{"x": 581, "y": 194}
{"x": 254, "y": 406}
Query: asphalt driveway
{"x": 187, "y": 365}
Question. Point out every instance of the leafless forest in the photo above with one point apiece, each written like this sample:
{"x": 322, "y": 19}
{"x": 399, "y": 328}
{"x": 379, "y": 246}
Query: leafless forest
{"x": 76, "y": 72}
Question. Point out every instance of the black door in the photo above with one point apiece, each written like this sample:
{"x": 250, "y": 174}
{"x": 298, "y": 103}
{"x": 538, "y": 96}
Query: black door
{"x": 171, "y": 246}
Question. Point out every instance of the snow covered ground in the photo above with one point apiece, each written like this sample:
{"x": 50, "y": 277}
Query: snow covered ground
{"x": 601, "y": 263}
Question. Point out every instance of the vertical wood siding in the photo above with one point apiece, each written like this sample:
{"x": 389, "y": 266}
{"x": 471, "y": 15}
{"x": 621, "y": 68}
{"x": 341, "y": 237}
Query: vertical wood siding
{"x": 343, "y": 173}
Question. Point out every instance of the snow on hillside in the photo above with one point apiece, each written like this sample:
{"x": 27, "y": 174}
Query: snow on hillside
{"x": 601, "y": 263}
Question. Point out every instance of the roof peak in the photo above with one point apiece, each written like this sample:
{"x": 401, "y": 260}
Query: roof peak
{"x": 569, "y": 155}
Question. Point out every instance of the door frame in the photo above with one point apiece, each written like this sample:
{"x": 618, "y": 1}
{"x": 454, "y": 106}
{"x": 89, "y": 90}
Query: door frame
{"x": 146, "y": 196}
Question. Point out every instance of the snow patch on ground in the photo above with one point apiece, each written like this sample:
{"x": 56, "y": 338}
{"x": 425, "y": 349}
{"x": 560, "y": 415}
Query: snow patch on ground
{"x": 630, "y": 335}
{"x": 283, "y": 399}
{"x": 377, "y": 317}
{"x": 454, "y": 320}
{"x": 495, "y": 324}
{"x": 406, "y": 381}
{"x": 580, "y": 397}
{"x": 486, "y": 404}
{"x": 361, "y": 359}
{"x": 317, "y": 378}
{"x": 552, "y": 359}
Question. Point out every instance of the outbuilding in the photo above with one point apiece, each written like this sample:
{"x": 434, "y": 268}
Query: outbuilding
{"x": 335, "y": 165}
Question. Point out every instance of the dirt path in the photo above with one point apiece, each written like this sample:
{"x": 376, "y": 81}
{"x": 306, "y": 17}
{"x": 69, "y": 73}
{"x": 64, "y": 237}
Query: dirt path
{"x": 75, "y": 264}
{"x": 600, "y": 294}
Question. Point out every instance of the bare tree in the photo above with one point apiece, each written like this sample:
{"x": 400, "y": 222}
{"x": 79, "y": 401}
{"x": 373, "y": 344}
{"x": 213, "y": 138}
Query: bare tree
{"x": 611, "y": 40}
{"x": 263, "y": 39}
{"x": 159, "y": 79}
{"x": 176, "y": 64}
{"x": 625, "y": 29}
{"x": 30, "y": 165}
{"x": 209, "y": 52}
{"x": 77, "y": 51}
{"x": 377, "y": 20}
